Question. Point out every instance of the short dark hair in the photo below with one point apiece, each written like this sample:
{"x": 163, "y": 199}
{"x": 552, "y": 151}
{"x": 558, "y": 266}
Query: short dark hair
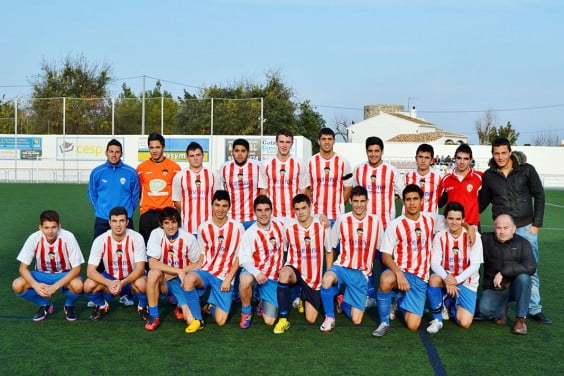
{"x": 117, "y": 211}
{"x": 262, "y": 199}
{"x": 49, "y": 216}
{"x": 221, "y": 195}
{"x": 242, "y": 142}
{"x": 284, "y": 132}
{"x": 169, "y": 213}
{"x": 373, "y": 140}
{"x": 463, "y": 148}
{"x": 114, "y": 142}
{"x": 500, "y": 141}
{"x": 359, "y": 190}
{"x": 453, "y": 206}
{"x": 412, "y": 188}
{"x": 194, "y": 146}
{"x": 299, "y": 198}
{"x": 156, "y": 136}
{"x": 326, "y": 131}
{"x": 425, "y": 148}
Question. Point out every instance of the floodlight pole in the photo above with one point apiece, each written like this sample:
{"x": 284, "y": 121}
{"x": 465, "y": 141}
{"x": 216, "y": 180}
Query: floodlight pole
{"x": 162, "y": 115}
{"x": 113, "y": 116}
{"x": 16, "y": 138}
{"x": 261, "y": 124}
{"x": 143, "y": 108}
{"x": 64, "y": 133}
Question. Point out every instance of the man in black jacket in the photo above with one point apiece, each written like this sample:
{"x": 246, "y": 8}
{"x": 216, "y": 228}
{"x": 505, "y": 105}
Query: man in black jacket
{"x": 514, "y": 187}
{"x": 508, "y": 266}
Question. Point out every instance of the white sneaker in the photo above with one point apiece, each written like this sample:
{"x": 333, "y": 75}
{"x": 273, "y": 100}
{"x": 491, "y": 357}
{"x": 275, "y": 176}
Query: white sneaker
{"x": 381, "y": 330}
{"x": 435, "y": 326}
{"x": 444, "y": 311}
{"x": 126, "y": 301}
{"x": 328, "y": 324}
{"x": 91, "y": 304}
{"x": 393, "y": 311}
{"x": 371, "y": 302}
{"x": 296, "y": 303}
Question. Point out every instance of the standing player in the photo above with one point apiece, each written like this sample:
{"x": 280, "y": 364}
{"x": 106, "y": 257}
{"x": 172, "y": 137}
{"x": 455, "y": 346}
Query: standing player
{"x": 172, "y": 253}
{"x": 382, "y": 181}
{"x": 456, "y": 268}
{"x": 244, "y": 179}
{"x": 406, "y": 252}
{"x": 464, "y": 184}
{"x": 112, "y": 184}
{"x": 330, "y": 177}
{"x": 123, "y": 254}
{"x": 428, "y": 179}
{"x": 359, "y": 235}
{"x": 57, "y": 267}
{"x": 261, "y": 256}
{"x": 219, "y": 239}
{"x": 285, "y": 176}
{"x": 155, "y": 175}
{"x": 192, "y": 190}
{"x": 307, "y": 238}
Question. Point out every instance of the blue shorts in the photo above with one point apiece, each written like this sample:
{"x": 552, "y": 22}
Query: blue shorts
{"x": 49, "y": 278}
{"x": 174, "y": 288}
{"x": 247, "y": 224}
{"x": 355, "y": 283}
{"x": 268, "y": 292}
{"x": 466, "y": 298}
{"x": 221, "y": 299}
{"x": 414, "y": 299}
{"x": 125, "y": 290}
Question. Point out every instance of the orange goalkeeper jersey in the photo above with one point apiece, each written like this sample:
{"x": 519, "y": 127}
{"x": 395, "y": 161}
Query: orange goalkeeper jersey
{"x": 156, "y": 183}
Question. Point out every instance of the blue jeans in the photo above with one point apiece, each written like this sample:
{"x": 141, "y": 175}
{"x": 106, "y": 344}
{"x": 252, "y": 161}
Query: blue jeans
{"x": 535, "y": 304}
{"x": 493, "y": 302}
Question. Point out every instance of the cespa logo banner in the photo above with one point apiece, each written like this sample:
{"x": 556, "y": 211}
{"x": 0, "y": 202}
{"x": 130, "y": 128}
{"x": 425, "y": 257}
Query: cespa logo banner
{"x": 83, "y": 148}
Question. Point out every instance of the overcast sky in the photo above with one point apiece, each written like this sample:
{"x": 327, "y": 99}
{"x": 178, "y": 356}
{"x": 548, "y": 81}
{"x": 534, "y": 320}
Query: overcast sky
{"x": 449, "y": 59}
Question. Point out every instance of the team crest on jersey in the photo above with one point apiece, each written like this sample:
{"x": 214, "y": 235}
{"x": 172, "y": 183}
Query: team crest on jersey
{"x": 165, "y": 172}
{"x": 327, "y": 170}
{"x": 418, "y": 231}
{"x": 359, "y": 231}
{"x": 273, "y": 240}
{"x": 240, "y": 176}
{"x": 469, "y": 187}
{"x": 122, "y": 181}
{"x": 455, "y": 250}
{"x": 221, "y": 239}
{"x": 119, "y": 252}
{"x": 282, "y": 172}
{"x": 198, "y": 182}
{"x": 373, "y": 178}
{"x": 422, "y": 182}
{"x": 52, "y": 255}
{"x": 307, "y": 240}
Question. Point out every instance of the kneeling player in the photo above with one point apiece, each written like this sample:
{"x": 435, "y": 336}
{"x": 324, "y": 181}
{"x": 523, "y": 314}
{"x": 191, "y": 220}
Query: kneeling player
{"x": 359, "y": 235}
{"x": 123, "y": 254}
{"x": 57, "y": 267}
{"x": 307, "y": 237}
{"x": 218, "y": 240}
{"x": 456, "y": 265}
{"x": 172, "y": 253}
{"x": 261, "y": 257}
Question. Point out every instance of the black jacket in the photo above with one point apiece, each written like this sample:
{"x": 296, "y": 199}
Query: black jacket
{"x": 514, "y": 194}
{"x": 511, "y": 258}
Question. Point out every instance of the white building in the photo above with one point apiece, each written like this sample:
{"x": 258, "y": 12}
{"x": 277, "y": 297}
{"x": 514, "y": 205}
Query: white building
{"x": 392, "y": 124}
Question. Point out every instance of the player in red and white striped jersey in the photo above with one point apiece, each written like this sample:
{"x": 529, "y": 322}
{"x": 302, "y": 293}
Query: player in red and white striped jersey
{"x": 219, "y": 240}
{"x": 330, "y": 178}
{"x": 172, "y": 253}
{"x": 382, "y": 181}
{"x": 425, "y": 177}
{"x": 244, "y": 179}
{"x": 123, "y": 254}
{"x": 192, "y": 190}
{"x": 261, "y": 256}
{"x": 359, "y": 235}
{"x": 456, "y": 267}
{"x": 57, "y": 258}
{"x": 285, "y": 176}
{"x": 307, "y": 239}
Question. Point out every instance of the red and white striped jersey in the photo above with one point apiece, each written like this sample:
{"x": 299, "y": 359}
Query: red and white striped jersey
{"x": 264, "y": 249}
{"x": 119, "y": 258}
{"x": 220, "y": 246}
{"x": 431, "y": 186}
{"x": 455, "y": 255}
{"x": 359, "y": 239}
{"x": 60, "y": 256}
{"x": 327, "y": 178}
{"x": 243, "y": 184}
{"x": 194, "y": 191}
{"x": 284, "y": 181}
{"x": 305, "y": 250}
{"x": 178, "y": 253}
{"x": 409, "y": 242}
{"x": 382, "y": 183}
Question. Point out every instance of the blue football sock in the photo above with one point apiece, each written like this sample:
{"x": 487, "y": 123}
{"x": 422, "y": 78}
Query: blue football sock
{"x": 296, "y": 292}
{"x": 346, "y": 307}
{"x": 154, "y": 311}
{"x": 384, "y": 300}
{"x": 327, "y": 298}
{"x": 97, "y": 298}
{"x": 33, "y": 296}
{"x": 246, "y": 309}
{"x": 193, "y": 301}
{"x": 211, "y": 308}
{"x": 142, "y": 302}
{"x": 435, "y": 296}
{"x": 283, "y": 295}
{"x": 71, "y": 297}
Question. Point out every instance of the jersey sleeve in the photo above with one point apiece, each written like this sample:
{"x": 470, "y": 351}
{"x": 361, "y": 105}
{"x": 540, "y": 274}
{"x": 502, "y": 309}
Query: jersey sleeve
{"x": 27, "y": 253}
{"x": 193, "y": 248}
{"x": 96, "y": 250}
{"x": 140, "y": 252}
{"x": 399, "y": 183}
{"x": 335, "y": 233}
{"x": 348, "y": 179}
{"x": 177, "y": 188}
{"x": 390, "y": 240}
{"x": 303, "y": 178}
{"x": 219, "y": 181}
{"x": 154, "y": 249}
{"x": 262, "y": 181}
{"x": 75, "y": 254}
